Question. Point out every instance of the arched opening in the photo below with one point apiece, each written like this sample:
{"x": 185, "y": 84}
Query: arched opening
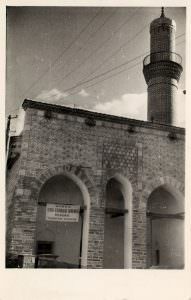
{"x": 165, "y": 229}
{"x": 62, "y": 223}
{"x": 118, "y": 224}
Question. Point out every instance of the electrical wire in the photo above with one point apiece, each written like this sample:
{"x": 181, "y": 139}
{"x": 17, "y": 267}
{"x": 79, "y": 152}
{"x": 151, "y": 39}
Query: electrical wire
{"x": 113, "y": 75}
{"x": 81, "y": 83}
{"x": 63, "y": 52}
{"x": 98, "y": 48}
{"x": 106, "y": 60}
{"x": 94, "y": 33}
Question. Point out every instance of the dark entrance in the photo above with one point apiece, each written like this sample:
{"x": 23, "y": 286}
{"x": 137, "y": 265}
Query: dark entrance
{"x": 59, "y": 241}
{"x": 165, "y": 230}
{"x": 114, "y": 226}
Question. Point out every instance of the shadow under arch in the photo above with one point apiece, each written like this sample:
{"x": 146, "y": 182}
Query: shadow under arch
{"x": 127, "y": 193}
{"x": 165, "y": 225}
{"x": 81, "y": 180}
{"x": 171, "y": 184}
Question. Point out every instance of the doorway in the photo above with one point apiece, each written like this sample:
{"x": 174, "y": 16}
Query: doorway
{"x": 60, "y": 223}
{"x": 165, "y": 230}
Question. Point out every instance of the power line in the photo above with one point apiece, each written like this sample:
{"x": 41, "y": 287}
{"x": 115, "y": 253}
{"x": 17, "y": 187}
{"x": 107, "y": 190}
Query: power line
{"x": 99, "y": 47}
{"x": 95, "y": 32}
{"x": 83, "y": 81}
{"x": 180, "y": 35}
{"x": 104, "y": 79}
{"x": 104, "y": 73}
{"x": 43, "y": 74}
{"x": 92, "y": 35}
{"x": 107, "y": 59}
{"x": 113, "y": 75}
{"x": 67, "y": 48}
{"x": 113, "y": 54}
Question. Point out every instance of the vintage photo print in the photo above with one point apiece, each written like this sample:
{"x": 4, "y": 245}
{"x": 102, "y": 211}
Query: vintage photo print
{"x": 96, "y": 139}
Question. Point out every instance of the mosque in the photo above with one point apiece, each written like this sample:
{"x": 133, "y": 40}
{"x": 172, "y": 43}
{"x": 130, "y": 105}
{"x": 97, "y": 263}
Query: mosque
{"x": 91, "y": 190}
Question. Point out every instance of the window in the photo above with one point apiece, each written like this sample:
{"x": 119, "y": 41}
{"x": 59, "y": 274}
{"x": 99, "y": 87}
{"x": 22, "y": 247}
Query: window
{"x": 44, "y": 247}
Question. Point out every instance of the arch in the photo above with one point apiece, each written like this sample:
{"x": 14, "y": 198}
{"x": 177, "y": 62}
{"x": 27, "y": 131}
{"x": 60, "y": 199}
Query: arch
{"x": 127, "y": 192}
{"x": 171, "y": 184}
{"x": 165, "y": 207}
{"x": 85, "y": 183}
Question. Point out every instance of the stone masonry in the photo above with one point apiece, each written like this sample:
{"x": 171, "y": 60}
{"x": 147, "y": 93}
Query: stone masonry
{"x": 95, "y": 147}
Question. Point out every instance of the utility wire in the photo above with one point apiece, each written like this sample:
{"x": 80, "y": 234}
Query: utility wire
{"x": 102, "y": 74}
{"x": 91, "y": 36}
{"x": 66, "y": 49}
{"x": 114, "y": 53}
{"x": 94, "y": 33}
{"x": 110, "y": 70}
{"x": 99, "y": 47}
{"x": 106, "y": 60}
{"x": 105, "y": 73}
{"x": 113, "y": 75}
{"x": 47, "y": 69}
{"x": 180, "y": 35}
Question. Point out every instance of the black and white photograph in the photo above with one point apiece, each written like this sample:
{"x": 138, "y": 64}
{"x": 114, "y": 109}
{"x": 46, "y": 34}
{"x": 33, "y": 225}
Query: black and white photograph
{"x": 95, "y": 131}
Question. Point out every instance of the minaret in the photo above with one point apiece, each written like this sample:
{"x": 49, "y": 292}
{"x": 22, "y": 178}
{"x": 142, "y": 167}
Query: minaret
{"x": 162, "y": 70}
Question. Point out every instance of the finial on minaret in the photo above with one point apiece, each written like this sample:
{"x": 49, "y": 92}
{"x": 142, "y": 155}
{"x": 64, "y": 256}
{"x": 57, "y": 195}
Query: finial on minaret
{"x": 162, "y": 12}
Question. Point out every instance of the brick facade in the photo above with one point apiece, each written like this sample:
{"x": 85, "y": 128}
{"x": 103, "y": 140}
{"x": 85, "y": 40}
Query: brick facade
{"x": 93, "y": 148}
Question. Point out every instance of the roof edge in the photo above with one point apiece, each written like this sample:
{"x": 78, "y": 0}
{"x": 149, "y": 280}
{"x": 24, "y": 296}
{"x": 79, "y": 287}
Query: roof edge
{"x": 100, "y": 116}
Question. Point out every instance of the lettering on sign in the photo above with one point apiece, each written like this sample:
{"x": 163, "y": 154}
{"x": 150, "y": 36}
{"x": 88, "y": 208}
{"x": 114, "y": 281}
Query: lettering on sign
{"x": 62, "y": 213}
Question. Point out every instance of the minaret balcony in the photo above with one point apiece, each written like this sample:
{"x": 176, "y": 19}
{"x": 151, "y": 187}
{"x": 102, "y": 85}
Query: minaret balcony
{"x": 162, "y": 56}
{"x": 162, "y": 64}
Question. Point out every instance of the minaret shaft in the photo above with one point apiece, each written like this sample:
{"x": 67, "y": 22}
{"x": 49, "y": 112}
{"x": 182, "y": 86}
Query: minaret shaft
{"x": 162, "y": 70}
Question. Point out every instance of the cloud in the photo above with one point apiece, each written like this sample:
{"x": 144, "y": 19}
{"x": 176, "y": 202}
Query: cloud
{"x": 83, "y": 93}
{"x": 135, "y": 106}
{"x": 51, "y": 95}
{"x": 128, "y": 105}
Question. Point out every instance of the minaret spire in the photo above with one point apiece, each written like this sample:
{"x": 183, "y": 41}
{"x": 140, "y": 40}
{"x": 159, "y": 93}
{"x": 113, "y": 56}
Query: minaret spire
{"x": 162, "y": 12}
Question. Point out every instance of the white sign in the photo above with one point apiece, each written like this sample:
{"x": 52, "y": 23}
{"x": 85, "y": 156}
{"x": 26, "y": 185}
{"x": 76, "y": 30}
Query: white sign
{"x": 62, "y": 213}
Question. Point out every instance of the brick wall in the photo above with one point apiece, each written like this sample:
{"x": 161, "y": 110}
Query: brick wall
{"x": 141, "y": 151}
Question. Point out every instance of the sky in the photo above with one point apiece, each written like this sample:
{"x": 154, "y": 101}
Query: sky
{"x": 84, "y": 57}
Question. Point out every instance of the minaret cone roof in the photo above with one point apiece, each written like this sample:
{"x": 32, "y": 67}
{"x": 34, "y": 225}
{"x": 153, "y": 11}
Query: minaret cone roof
{"x": 163, "y": 20}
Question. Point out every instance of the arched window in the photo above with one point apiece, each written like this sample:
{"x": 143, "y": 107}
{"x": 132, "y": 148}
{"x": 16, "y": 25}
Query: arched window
{"x": 165, "y": 229}
{"x": 60, "y": 223}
